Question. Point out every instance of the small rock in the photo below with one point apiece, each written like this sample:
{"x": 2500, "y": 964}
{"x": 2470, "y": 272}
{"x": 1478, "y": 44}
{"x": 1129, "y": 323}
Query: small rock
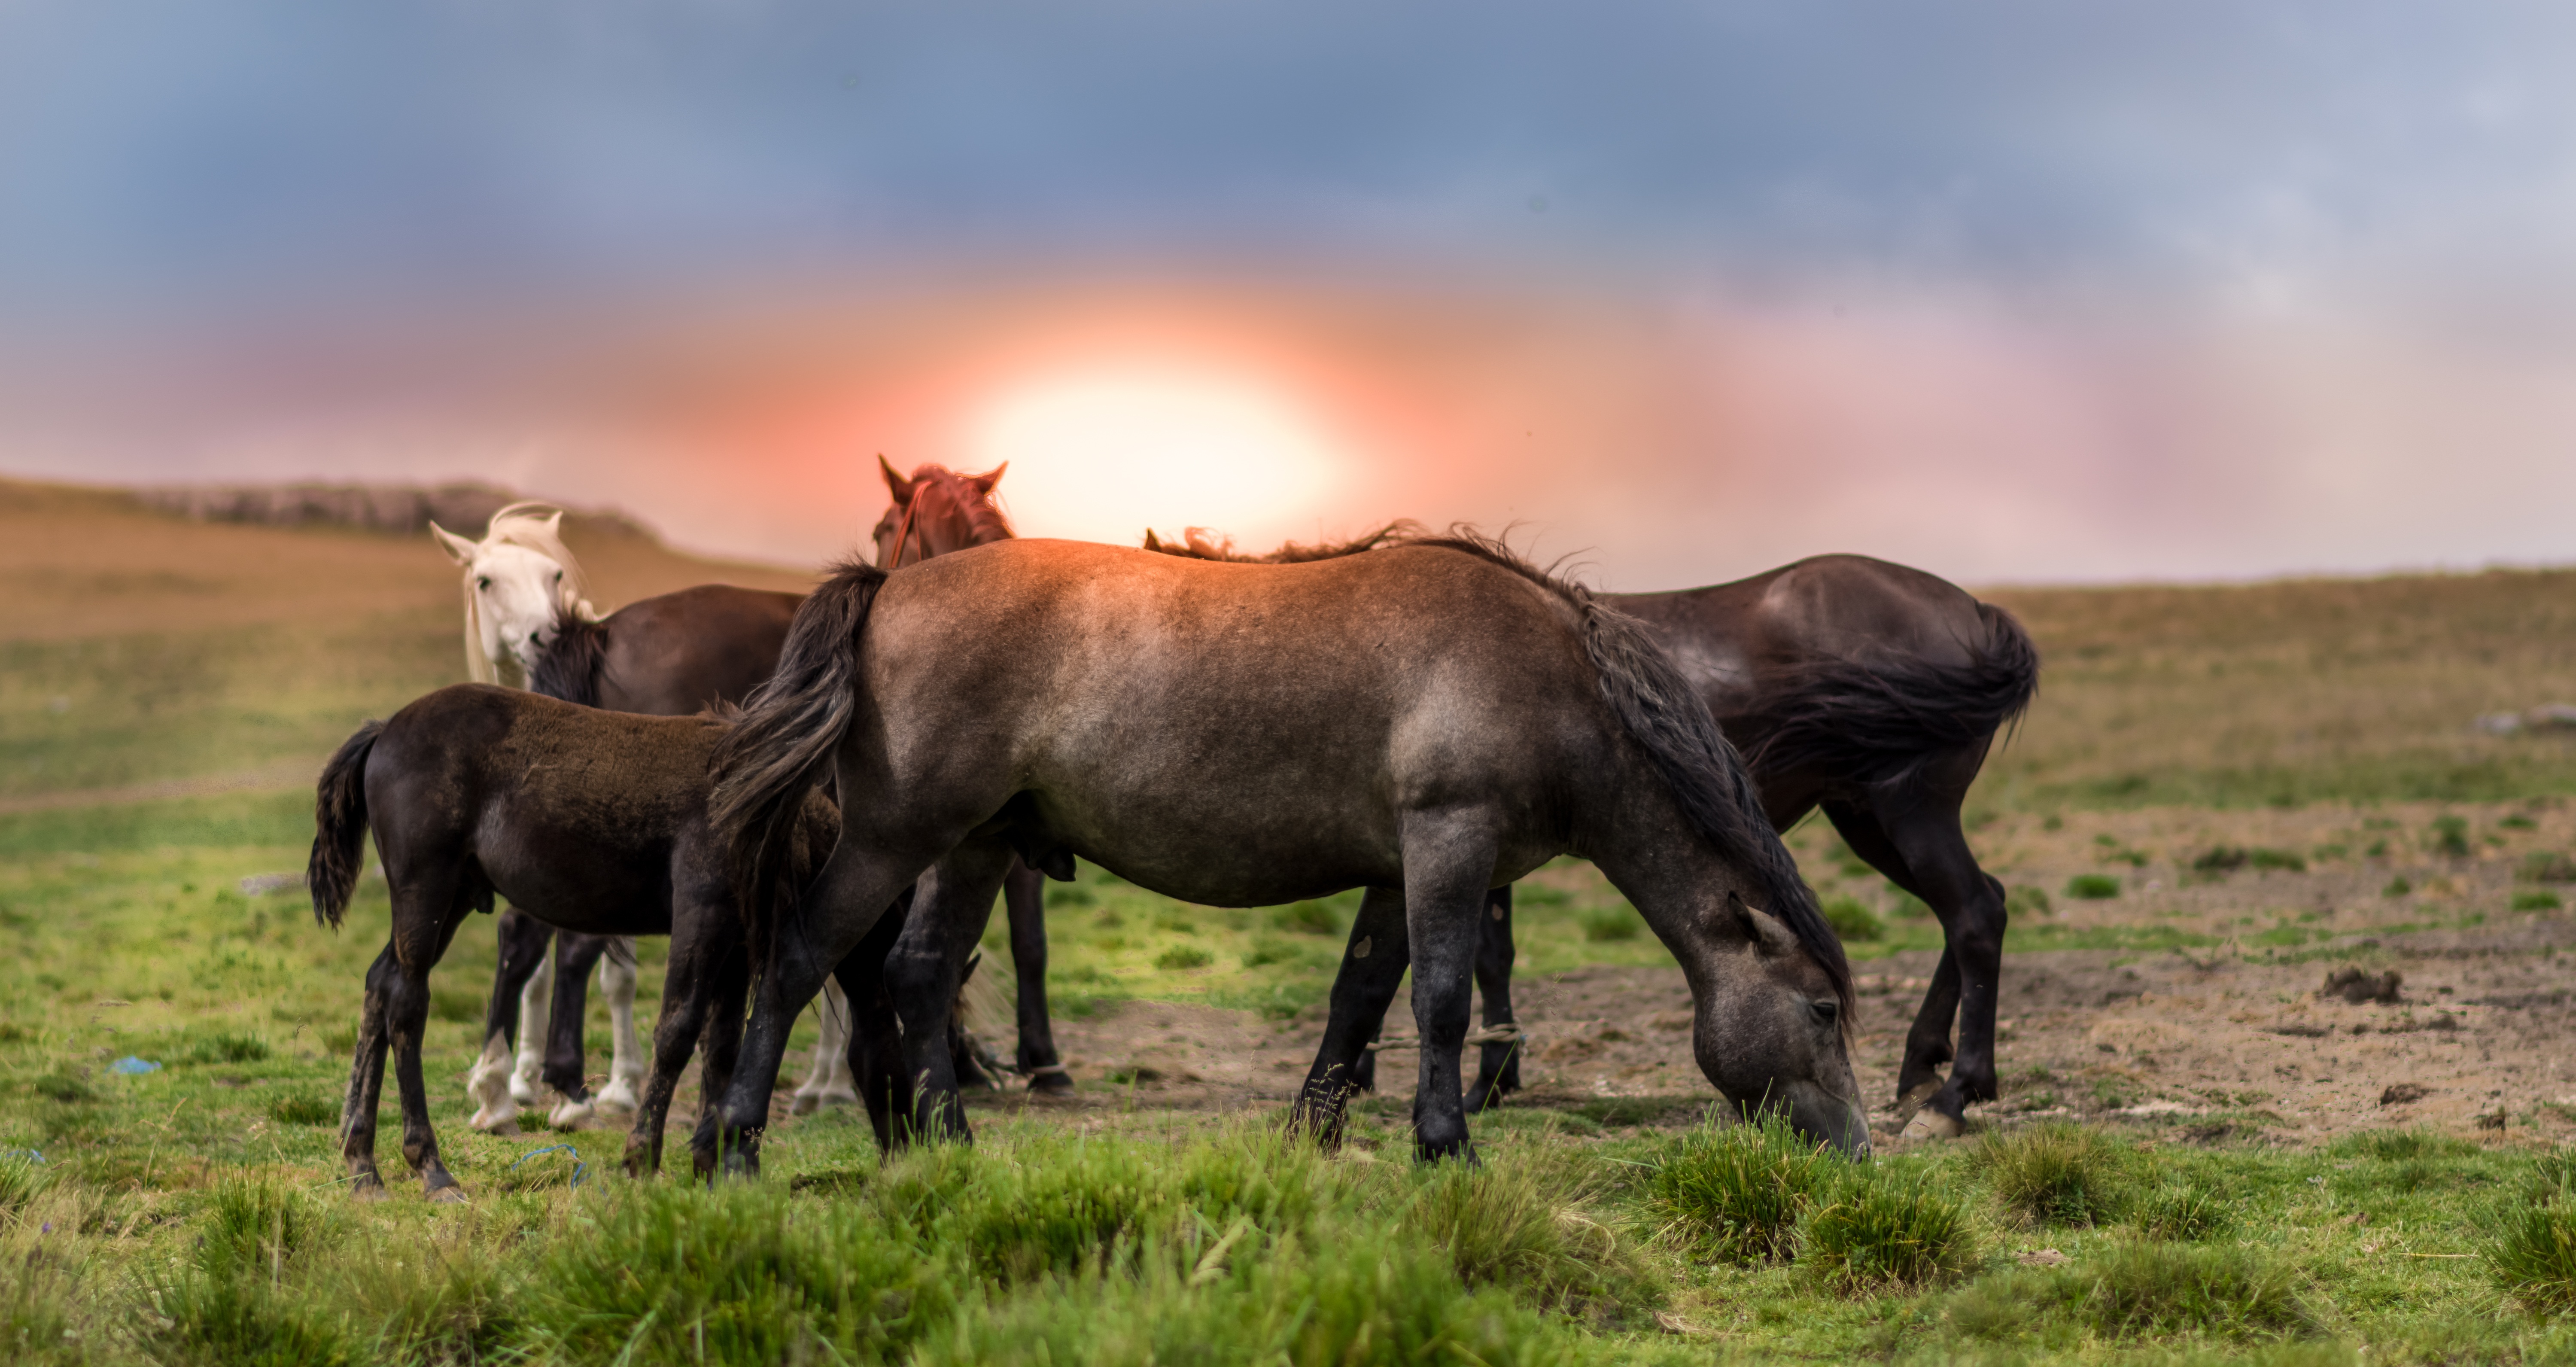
{"x": 2045, "y": 1257}
{"x": 2492, "y": 1120}
{"x": 2498, "y": 723}
{"x": 2357, "y": 987}
{"x": 2557, "y": 716}
{"x": 2402, "y": 1093}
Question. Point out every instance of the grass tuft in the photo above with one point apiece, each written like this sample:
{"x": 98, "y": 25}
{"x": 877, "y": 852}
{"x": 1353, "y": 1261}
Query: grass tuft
{"x": 2092, "y": 887}
{"x": 1181, "y": 957}
{"x": 225, "y": 1047}
{"x": 1885, "y": 1230}
{"x": 2533, "y": 1257}
{"x": 1604, "y": 925}
{"x": 303, "y": 1108}
{"x": 1852, "y": 920}
{"x": 1735, "y": 1193}
{"x": 1510, "y": 1227}
{"x": 2182, "y": 1211}
{"x": 2128, "y": 1290}
{"x": 2547, "y": 866}
{"x": 256, "y": 1227}
{"x": 2055, "y": 1174}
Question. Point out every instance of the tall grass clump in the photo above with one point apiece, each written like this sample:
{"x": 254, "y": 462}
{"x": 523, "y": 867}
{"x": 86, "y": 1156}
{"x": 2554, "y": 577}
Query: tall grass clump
{"x": 256, "y": 1226}
{"x": 1885, "y": 1229}
{"x": 229, "y": 1316}
{"x": 36, "y": 1308}
{"x": 1734, "y": 1193}
{"x": 22, "y": 1179}
{"x": 2533, "y": 1256}
{"x": 2055, "y": 1174}
{"x": 1348, "y": 1298}
{"x": 2126, "y": 1290}
{"x": 2184, "y": 1211}
{"x": 740, "y": 1274}
{"x": 1514, "y": 1228}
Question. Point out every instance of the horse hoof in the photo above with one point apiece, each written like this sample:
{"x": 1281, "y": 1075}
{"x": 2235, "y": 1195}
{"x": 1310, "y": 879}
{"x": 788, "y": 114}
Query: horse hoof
{"x": 806, "y": 1103}
{"x": 447, "y": 1196}
{"x": 572, "y": 1115}
{"x": 1051, "y": 1084}
{"x": 1931, "y": 1124}
{"x": 502, "y": 1126}
{"x": 369, "y": 1190}
{"x": 618, "y": 1095}
{"x": 525, "y": 1092}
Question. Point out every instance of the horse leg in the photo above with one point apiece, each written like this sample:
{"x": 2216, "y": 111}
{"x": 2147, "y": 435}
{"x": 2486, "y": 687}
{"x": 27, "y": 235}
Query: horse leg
{"x": 626, "y": 1062}
{"x": 1927, "y": 854}
{"x": 1448, "y": 859}
{"x": 1372, "y": 968}
{"x": 1498, "y": 1069}
{"x": 420, "y": 940}
{"x": 874, "y": 1062}
{"x": 536, "y": 1015}
{"x": 1024, "y": 898}
{"x": 524, "y": 942}
{"x": 925, "y": 968}
{"x": 574, "y": 955}
{"x": 366, "y": 1083}
{"x": 827, "y": 1082}
{"x": 857, "y": 884}
{"x": 701, "y": 936}
{"x": 723, "y": 1053}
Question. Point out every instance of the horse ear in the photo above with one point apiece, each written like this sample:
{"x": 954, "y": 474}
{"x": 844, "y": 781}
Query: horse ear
{"x": 1763, "y": 929}
{"x": 1152, "y": 542}
{"x": 896, "y": 484}
{"x": 984, "y": 482}
{"x": 554, "y": 524}
{"x": 458, "y": 548}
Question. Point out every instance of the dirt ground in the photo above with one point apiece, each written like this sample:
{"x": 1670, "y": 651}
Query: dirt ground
{"x": 2230, "y": 1035}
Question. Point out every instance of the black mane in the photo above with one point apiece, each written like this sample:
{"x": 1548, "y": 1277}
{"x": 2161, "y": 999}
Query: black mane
{"x": 570, "y": 667}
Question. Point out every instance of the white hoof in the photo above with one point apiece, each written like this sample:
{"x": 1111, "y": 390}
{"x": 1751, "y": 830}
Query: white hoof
{"x": 503, "y": 1121}
{"x": 1931, "y": 1124}
{"x": 573, "y": 1115}
{"x": 524, "y": 1090}
{"x": 618, "y": 1095}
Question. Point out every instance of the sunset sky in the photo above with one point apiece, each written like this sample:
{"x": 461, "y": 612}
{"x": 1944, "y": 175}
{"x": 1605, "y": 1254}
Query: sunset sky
{"x": 2012, "y": 291}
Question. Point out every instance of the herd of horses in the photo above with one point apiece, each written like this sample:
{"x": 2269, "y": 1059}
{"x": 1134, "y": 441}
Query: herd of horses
{"x": 826, "y": 795}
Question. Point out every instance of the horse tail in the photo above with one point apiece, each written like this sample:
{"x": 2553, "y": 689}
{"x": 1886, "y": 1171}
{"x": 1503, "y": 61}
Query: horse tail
{"x": 766, "y": 763}
{"x": 570, "y": 667}
{"x": 340, "y": 827}
{"x": 1660, "y": 710}
{"x": 1880, "y": 717}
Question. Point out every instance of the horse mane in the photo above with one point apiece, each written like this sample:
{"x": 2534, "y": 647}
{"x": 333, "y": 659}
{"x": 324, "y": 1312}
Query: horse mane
{"x": 528, "y": 524}
{"x": 570, "y": 667}
{"x": 1666, "y": 717}
{"x": 1199, "y": 543}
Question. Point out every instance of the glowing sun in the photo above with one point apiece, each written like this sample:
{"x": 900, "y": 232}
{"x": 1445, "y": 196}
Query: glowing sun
{"x": 1102, "y": 457}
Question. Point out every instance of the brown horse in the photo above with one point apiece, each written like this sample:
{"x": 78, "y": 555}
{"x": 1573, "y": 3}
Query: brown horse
{"x": 595, "y": 821}
{"x": 1438, "y": 718}
{"x": 1865, "y": 688}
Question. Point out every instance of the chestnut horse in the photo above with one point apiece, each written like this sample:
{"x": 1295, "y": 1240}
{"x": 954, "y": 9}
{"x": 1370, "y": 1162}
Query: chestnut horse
{"x": 1427, "y": 722}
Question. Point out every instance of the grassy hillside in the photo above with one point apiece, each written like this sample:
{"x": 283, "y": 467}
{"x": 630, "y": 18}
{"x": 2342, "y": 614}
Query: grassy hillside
{"x": 138, "y": 648}
{"x": 2292, "y": 692}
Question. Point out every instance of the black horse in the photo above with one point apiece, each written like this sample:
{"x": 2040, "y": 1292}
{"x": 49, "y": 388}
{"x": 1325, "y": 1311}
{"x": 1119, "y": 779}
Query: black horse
{"x": 1866, "y": 688}
{"x": 595, "y": 821}
{"x": 1206, "y": 731}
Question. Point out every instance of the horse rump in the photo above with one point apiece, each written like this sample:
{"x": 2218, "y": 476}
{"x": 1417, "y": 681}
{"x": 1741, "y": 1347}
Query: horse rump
{"x": 340, "y": 826}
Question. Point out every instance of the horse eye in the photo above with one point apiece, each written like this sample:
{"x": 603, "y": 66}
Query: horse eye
{"x": 559, "y": 576}
{"x": 483, "y": 583}
{"x": 1827, "y": 1012}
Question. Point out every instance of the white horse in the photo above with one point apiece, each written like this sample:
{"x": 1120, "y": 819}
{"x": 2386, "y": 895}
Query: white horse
{"x": 517, "y": 579}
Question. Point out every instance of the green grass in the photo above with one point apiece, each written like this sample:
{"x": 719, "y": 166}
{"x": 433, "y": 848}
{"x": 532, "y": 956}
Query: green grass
{"x": 2054, "y": 1174}
{"x": 2092, "y": 887}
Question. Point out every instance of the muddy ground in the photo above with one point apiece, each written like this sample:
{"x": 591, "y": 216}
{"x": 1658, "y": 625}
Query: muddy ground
{"x": 2198, "y": 1012}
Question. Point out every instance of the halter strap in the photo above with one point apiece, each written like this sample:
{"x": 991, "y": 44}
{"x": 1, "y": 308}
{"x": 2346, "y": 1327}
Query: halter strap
{"x": 903, "y": 530}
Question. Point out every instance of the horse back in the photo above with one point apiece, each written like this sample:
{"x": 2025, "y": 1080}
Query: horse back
{"x": 573, "y": 814}
{"x": 673, "y": 655}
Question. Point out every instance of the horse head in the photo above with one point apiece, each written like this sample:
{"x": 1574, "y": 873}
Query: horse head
{"x": 518, "y": 580}
{"x": 1770, "y": 1029}
{"x": 937, "y": 511}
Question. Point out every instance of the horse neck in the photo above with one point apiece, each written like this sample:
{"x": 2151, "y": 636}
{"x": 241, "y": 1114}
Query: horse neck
{"x": 1675, "y": 876}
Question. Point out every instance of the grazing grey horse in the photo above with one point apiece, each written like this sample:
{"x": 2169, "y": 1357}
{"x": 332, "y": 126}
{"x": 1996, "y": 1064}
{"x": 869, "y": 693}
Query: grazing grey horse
{"x": 1438, "y": 718}
{"x": 1869, "y": 689}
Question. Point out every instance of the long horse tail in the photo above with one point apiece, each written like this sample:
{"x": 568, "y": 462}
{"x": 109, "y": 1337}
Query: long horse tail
{"x": 1660, "y": 710}
{"x": 570, "y": 667}
{"x": 782, "y": 746}
{"x": 1879, "y": 717}
{"x": 340, "y": 827}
